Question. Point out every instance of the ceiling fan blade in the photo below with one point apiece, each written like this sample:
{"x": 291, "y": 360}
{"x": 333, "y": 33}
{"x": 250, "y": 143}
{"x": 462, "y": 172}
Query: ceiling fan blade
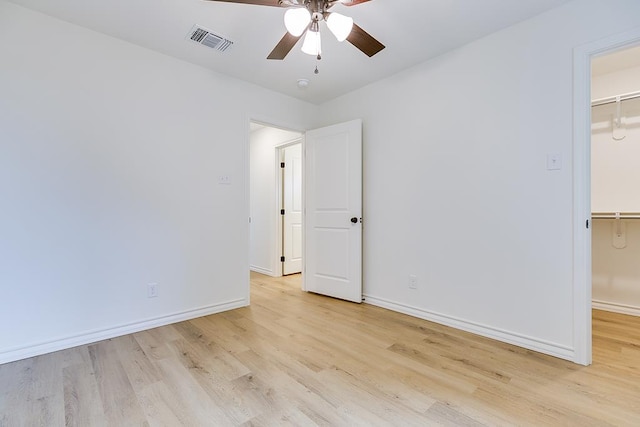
{"x": 284, "y": 46}
{"x": 275, "y": 3}
{"x": 364, "y": 41}
{"x": 352, "y": 2}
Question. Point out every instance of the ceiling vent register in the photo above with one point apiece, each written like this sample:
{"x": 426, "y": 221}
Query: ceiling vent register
{"x": 208, "y": 38}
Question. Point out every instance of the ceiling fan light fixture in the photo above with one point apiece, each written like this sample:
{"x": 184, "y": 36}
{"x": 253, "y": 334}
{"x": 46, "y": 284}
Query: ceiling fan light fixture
{"x": 340, "y": 25}
{"x": 312, "y": 44}
{"x": 296, "y": 20}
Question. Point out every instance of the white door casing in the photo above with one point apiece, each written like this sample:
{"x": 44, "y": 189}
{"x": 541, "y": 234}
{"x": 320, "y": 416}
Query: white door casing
{"x": 582, "y": 274}
{"x": 292, "y": 204}
{"x": 333, "y": 199}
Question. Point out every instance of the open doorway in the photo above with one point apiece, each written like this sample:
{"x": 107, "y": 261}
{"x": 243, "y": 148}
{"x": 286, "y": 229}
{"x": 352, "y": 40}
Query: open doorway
{"x": 275, "y": 200}
{"x": 330, "y": 206}
{"x": 582, "y": 184}
{"x": 615, "y": 174}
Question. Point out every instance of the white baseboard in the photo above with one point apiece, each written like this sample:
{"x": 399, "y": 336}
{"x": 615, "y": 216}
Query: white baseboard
{"x": 616, "y": 308}
{"x": 89, "y": 337}
{"x": 264, "y": 271}
{"x": 530, "y": 343}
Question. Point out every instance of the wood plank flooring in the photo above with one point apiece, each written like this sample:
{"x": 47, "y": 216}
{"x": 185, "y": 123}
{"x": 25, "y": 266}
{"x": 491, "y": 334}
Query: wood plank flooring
{"x": 302, "y": 359}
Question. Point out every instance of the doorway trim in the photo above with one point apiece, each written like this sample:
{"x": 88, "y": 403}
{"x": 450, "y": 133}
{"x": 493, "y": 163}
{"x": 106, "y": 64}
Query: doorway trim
{"x": 582, "y": 55}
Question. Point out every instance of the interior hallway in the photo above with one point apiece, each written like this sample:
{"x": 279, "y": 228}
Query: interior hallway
{"x": 294, "y": 358}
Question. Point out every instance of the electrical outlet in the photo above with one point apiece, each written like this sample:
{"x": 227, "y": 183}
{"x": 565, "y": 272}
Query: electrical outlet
{"x": 152, "y": 290}
{"x": 224, "y": 179}
{"x": 413, "y": 281}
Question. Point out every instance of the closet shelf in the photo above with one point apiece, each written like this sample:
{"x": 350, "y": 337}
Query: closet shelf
{"x": 615, "y": 215}
{"x": 614, "y": 99}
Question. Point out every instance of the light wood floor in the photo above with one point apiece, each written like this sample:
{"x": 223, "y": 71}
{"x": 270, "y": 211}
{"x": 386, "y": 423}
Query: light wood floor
{"x": 302, "y": 359}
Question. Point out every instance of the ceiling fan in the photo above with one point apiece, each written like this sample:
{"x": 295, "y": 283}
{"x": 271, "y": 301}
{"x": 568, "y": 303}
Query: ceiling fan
{"x": 304, "y": 17}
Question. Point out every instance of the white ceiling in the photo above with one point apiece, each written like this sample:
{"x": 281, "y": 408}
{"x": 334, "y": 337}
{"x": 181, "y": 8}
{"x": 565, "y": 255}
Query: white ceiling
{"x": 412, "y": 30}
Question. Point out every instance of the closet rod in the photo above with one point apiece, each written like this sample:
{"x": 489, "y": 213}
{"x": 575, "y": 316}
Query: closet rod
{"x": 614, "y": 99}
{"x": 615, "y": 215}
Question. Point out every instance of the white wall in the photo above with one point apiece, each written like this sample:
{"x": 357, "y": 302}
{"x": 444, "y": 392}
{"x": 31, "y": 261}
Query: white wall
{"x": 264, "y": 211}
{"x": 615, "y": 175}
{"x": 109, "y": 157}
{"x": 456, "y": 188}
{"x": 109, "y": 161}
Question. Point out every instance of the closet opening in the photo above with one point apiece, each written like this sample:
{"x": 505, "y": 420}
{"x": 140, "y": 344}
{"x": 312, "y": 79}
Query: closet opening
{"x": 615, "y": 192}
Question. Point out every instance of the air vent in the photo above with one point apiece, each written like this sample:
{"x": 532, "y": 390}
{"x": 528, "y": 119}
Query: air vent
{"x": 210, "y": 39}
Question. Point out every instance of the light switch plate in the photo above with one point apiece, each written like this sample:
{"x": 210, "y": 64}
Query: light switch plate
{"x": 554, "y": 162}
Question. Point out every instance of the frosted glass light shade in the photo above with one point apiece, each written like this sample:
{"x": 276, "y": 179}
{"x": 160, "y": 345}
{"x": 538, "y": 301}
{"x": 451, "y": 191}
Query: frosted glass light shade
{"x": 340, "y": 26}
{"x": 296, "y": 20}
{"x": 311, "y": 44}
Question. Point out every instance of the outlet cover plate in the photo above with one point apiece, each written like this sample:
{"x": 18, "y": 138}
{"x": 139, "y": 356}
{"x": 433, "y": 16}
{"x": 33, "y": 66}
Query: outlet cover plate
{"x": 413, "y": 281}
{"x": 152, "y": 290}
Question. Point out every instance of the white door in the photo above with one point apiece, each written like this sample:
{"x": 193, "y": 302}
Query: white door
{"x": 333, "y": 211}
{"x": 292, "y": 218}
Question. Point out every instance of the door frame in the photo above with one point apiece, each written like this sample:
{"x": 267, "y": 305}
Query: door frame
{"x": 279, "y": 153}
{"x": 582, "y": 281}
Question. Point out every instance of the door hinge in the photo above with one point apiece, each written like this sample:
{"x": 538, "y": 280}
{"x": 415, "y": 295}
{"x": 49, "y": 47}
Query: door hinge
{"x": 281, "y": 211}
{"x": 587, "y": 223}
{"x": 281, "y": 164}
{"x": 281, "y": 259}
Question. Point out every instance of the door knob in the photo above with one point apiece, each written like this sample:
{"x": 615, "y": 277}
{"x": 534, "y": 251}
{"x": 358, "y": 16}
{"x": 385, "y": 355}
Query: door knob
{"x": 354, "y": 220}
